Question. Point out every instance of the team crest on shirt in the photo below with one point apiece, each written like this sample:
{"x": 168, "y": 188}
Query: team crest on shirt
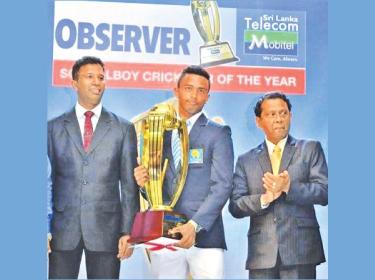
{"x": 196, "y": 156}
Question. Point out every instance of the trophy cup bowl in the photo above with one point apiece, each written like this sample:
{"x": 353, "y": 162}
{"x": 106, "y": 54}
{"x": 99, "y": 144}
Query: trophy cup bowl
{"x": 159, "y": 217}
{"x": 207, "y": 21}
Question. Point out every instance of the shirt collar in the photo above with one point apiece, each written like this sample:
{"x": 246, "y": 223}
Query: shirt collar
{"x": 271, "y": 146}
{"x": 192, "y": 120}
{"x": 80, "y": 111}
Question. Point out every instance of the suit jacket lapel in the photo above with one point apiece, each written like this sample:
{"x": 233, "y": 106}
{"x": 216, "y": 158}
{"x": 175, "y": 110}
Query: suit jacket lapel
{"x": 104, "y": 124}
{"x": 197, "y": 129}
{"x": 264, "y": 158}
{"x": 287, "y": 156}
{"x": 288, "y": 153}
{"x": 73, "y": 130}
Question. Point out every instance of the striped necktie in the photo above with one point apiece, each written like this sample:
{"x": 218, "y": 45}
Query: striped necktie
{"x": 176, "y": 148}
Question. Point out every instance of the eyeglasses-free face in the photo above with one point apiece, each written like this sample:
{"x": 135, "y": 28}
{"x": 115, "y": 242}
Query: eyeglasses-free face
{"x": 192, "y": 94}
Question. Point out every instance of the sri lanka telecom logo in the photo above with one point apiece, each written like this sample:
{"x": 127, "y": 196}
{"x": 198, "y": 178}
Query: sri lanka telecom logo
{"x": 271, "y": 33}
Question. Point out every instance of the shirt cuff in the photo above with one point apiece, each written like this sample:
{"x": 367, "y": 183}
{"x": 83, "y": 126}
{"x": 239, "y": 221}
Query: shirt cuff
{"x": 197, "y": 227}
{"x": 263, "y": 206}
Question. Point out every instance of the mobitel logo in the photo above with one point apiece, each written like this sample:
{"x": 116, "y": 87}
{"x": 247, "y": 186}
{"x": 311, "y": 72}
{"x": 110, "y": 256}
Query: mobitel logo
{"x": 270, "y": 42}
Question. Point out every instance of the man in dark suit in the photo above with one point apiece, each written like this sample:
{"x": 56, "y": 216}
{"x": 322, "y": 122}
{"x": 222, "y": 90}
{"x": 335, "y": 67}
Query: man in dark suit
{"x": 207, "y": 188}
{"x": 277, "y": 184}
{"x": 93, "y": 155}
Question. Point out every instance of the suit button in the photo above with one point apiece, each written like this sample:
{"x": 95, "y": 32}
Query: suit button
{"x": 84, "y": 182}
{"x": 275, "y": 220}
{"x": 85, "y": 162}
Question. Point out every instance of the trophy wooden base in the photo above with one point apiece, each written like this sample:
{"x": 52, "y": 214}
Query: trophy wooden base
{"x": 216, "y": 54}
{"x": 151, "y": 225}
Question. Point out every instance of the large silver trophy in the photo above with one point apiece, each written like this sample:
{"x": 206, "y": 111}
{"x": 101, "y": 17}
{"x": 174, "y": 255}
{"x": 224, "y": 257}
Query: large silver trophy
{"x": 207, "y": 21}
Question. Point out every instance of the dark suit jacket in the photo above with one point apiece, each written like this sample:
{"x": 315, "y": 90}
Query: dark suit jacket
{"x": 289, "y": 224}
{"x": 88, "y": 201}
{"x": 208, "y": 184}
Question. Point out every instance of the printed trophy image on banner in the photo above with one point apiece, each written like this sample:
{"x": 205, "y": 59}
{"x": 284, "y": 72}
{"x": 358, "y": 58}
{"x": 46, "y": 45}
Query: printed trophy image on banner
{"x": 157, "y": 217}
{"x": 207, "y": 21}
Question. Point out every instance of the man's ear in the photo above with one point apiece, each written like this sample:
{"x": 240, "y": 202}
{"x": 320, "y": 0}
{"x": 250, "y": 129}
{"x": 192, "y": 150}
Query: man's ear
{"x": 175, "y": 91}
{"x": 74, "y": 84}
{"x": 257, "y": 122}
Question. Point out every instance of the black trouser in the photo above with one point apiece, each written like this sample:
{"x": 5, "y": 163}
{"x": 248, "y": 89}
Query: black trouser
{"x": 99, "y": 265}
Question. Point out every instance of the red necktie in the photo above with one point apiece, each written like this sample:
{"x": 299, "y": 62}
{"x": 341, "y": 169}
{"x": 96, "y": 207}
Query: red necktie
{"x": 88, "y": 131}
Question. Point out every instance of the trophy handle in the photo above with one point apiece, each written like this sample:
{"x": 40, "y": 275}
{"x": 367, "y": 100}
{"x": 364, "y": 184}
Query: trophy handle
{"x": 184, "y": 163}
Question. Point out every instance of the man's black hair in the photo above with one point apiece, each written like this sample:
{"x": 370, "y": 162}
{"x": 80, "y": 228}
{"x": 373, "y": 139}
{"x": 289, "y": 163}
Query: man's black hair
{"x": 83, "y": 61}
{"x": 194, "y": 69}
{"x": 271, "y": 95}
